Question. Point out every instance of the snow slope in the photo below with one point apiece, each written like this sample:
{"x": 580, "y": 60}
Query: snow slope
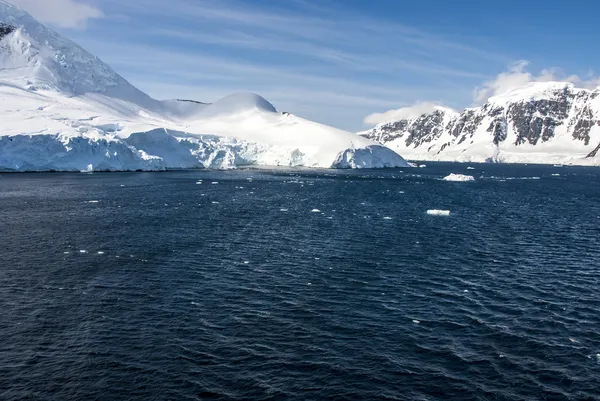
{"x": 542, "y": 122}
{"x": 64, "y": 109}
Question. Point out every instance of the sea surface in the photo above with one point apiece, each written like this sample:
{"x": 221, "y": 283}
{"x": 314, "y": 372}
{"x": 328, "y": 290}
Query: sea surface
{"x": 301, "y": 285}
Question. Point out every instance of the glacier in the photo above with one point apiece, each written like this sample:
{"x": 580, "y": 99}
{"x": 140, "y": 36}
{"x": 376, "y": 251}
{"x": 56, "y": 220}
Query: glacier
{"x": 63, "y": 109}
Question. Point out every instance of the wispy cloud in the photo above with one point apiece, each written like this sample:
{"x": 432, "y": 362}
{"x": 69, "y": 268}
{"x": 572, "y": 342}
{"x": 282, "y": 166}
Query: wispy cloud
{"x": 320, "y": 59}
{"x": 61, "y": 13}
{"x": 516, "y": 76}
{"x": 402, "y": 113}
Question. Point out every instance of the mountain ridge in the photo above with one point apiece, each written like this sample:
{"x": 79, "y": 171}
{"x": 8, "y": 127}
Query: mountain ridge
{"x": 541, "y": 122}
{"x": 64, "y": 109}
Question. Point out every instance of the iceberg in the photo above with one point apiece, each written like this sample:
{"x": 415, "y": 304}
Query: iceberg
{"x": 459, "y": 177}
{"x": 436, "y": 212}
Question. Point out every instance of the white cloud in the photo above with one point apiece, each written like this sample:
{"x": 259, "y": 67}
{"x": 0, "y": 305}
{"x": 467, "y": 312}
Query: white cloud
{"x": 413, "y": 111}
{"x": 518, "y": 76}
{"x": 515, "y": 77}
{"x": 60, "y": 13}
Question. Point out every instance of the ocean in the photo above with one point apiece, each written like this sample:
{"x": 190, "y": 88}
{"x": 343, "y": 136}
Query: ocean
{"x": 301, "y": 285}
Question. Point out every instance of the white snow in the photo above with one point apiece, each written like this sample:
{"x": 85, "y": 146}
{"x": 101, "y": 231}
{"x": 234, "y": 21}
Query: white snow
{"x": 569, "y": 144}
{"x": 436, "y": 212}
{"x": 64, "y": 109}
{"x": 459, "y": 177}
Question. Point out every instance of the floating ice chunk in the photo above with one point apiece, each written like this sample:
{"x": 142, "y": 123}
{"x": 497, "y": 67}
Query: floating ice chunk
{"x": 94, "y": 201}
{"x": 246, "y": 262}
{"x": 283, "y": 210}
{"x": 401, "y": 192}
{"x": 215, "y": 203}
{"x": 100, "y": 253}
{"x": 315, "y": 211}
{"x": 459, "y": 177}
{"x": 422, "y": 166}
{"x": 122, "y": 185}
{"x": 470, "y": 168}
{"x": 66, "y": 252}
{"x": 83, "y": 251}
{"x": 214, "y": 182}
{"x": 416, "y": 321}
{"x": 436, "y": 212}
{"x": 387, "y": 218}
{"x": 573, "y": 340}
{"x": 198, "y": 182}
{"x": 555, "y": 175}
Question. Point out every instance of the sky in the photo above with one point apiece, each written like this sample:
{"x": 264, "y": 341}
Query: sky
{"x": 346, "y": 63}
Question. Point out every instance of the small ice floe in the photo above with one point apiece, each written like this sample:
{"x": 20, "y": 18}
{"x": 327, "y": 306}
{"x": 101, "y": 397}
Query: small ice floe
{"x": 100, "y": 253}
{"x": 573, "y": 340}
{"x": 436, "y": 212}
{"x": 459, "y": 177}
{"x": 555, "y": 175}
{"x": 214, "y": 182}
{"x": 416, "y": 321}
{"x": 66, "y": 252}
{"x": 401, "y": 192}
{"x": 315, "y": 211}
{"x": 94, "y": 201}
{"x": 246, "y": 262}
{"x": 83, "y": 251}
{"x": 122, "y": 185}
{"x": 470, "y": 168}
{"x": 214, "y": 203}
{"x": 422, "y": 166}
{"x": 283, "y": 210}
{"x": 198, "y": 182}
{"x": 387, "y": 218}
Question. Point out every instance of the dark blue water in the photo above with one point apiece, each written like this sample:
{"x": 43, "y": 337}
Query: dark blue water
{"x": 236, "y": 290}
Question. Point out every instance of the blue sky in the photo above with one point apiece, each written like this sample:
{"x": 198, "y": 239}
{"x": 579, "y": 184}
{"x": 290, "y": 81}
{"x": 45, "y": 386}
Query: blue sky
{"x": 340, "y": 62}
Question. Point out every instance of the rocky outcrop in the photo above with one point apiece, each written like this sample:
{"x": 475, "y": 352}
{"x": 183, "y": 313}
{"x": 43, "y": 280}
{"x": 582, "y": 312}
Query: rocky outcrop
{"x": 549, "y": 117}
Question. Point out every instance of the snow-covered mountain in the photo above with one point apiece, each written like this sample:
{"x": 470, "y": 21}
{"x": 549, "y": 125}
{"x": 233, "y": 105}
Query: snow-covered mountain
{"x": 64, "y": 109}
{"x": 551, "y": 122}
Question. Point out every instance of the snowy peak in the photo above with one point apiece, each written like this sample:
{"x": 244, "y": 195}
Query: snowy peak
{"x": 64, "y": 109}
{"x": 542, "y": 122}
{"x": 35, "y": 57}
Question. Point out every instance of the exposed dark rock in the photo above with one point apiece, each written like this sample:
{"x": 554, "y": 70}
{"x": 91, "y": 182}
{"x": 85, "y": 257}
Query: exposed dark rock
{"x": 532, "y": 120}
{"x": 5, "y": 29}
